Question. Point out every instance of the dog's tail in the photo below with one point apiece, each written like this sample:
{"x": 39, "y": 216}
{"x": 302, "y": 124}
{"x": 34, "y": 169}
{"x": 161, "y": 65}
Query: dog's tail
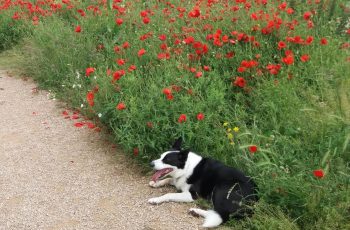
{"x": 211, "y": 217}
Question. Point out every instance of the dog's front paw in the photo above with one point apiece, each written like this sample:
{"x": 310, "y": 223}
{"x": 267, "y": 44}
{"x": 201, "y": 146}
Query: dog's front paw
{"x": 152, "y": 184}
{"x": 155, "y": 200}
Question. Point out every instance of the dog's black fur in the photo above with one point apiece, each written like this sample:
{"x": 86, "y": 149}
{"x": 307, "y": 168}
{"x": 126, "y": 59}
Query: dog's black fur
{"x": 231, "y": 192}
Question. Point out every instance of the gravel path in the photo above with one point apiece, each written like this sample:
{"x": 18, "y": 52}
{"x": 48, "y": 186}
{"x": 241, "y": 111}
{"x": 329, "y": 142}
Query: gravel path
{"x": 54, "y": 175}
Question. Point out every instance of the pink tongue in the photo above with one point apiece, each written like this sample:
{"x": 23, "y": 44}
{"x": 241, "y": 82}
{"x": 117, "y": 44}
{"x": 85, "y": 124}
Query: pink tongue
{"x": 161, "y": 173}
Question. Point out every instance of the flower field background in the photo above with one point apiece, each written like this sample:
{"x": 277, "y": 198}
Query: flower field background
{"x": 261, "y": 85}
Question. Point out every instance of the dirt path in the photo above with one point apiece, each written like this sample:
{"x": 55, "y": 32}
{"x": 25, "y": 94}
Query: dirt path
{"x": 54, "y": 175}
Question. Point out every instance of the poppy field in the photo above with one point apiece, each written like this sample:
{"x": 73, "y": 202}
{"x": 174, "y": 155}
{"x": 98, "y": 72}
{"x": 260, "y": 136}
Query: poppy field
{"x": 262, "y": 85}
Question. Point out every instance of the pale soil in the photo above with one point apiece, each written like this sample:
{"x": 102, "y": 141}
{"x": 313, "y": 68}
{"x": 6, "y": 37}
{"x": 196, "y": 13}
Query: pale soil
{"x": 54, "y": 175}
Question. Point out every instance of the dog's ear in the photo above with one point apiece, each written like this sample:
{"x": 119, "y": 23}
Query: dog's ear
{"x": 177, "y": 144}
{"x": 184, "y": 153}
{"x": 182, "y": 156}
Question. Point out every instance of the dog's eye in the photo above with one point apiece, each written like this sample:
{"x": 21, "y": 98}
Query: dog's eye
{"x": 166, "y": 159}
{"x": 170, "y": 158}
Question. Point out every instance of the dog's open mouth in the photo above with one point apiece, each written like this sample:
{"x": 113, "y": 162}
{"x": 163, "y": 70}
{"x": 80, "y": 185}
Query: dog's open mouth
{"x": 161, "y": 173}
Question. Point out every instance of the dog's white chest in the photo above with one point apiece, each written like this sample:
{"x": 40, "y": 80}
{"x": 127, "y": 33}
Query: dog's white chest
{"x": 180, "y": 184}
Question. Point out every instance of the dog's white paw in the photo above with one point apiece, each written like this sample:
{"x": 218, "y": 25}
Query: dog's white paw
{"x": 152, "y": 184}
{"x": 155, "y": 200}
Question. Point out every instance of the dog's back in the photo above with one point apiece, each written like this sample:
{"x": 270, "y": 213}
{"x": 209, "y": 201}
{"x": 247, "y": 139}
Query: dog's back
{"x": 229, "y": 189}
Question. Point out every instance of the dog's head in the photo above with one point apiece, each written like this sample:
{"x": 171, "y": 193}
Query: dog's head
{"x": 171, "y": 162}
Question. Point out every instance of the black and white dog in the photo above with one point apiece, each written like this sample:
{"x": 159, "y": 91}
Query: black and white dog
{"x": 231, "y": 192}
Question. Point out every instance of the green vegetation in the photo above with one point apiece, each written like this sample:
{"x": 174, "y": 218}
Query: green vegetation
{"x": 227, "y": 78}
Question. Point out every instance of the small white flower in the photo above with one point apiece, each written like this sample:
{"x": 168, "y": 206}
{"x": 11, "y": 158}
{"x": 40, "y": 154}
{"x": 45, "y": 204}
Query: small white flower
{"x": 78, "y": 74}
{"x": 99, "y": 115}
{"x": 74, "y": 85}
{"x": 79, "y": 85}
{"x": 95, "y": 77}
{"x": 82, "y": 105}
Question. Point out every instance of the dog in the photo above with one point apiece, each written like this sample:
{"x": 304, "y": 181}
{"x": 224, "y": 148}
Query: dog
{"x": 231, "y": 192}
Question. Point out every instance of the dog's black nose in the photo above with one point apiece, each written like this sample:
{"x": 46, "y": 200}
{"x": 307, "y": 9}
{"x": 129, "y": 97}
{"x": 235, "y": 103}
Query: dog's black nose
{"x": 152, "y": 164}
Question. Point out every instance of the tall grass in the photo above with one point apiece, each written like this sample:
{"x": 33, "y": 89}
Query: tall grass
{"x": 296, "y": 118}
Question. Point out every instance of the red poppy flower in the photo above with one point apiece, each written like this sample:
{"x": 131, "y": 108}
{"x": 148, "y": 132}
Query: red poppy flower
{"x": 81, "y": 12}
{"x": 121, "y": 62}
{"x": 170, "y": 97}
{"x": 136, "y": 151}
{"x": 163, "y": 46}
{"x": 273, "y": 69}
{"x": 132, "y": 68}
{"x": 16, "y": 16}
{"x": 254, "y": 16}
{"x": 318, "y": 173}
{"x": 116, "y": 49}
{"x": 200, "y": 116}
{"x": 126, "y": 45}
{"x": 288, "y": 60}
{"x": 79, "y": 124}
{"x": 290, "y": 11}
{"x": 288, "y": 52}
{"x": 78, "y": 29}
{"x": 240, "y": 82}
{"x": 253, "y": 148}
{"x": 198, "y": 75}
{"x": 188, "y": 40}
{"x": 143, "y": 13}
{"x": 304, "y": 58}
{"x": 310, "y": 24}
{"x": 324, "y": 41}
{"x": 167, "y": 91}
{"x": 182, "y": 118}
{"x": 282, "y": 6}
{"x": 281, "y": 45}
{"x": 195, "y": 13}
{"x": 119, "y": 21}
{"x": 309, "y": 40}
{"x": 206, "y": 68}
{"x": 141, "y": 52}
{"x": 146, "y": 20}
{"x": 89, "y": 71}
{"x": 75, "y": 116}
{"x": 241, "y": 69}
{"x": 117, "y": 75}
{"x": 90, "y": 98}
{"x": 90, "y": 125}
{"x": 121, "y": 106}
{"x": 307, "y": 15}
{"x": 230, "y": 54}
{"x": 162, "y": 37}
{"x": 163, "y": 56}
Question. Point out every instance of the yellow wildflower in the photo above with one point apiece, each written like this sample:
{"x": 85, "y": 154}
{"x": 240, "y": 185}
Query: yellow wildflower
{"x": 230, "y": 136}
{"x": 236, "y": 129}
{"x": 225, "y": 124}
